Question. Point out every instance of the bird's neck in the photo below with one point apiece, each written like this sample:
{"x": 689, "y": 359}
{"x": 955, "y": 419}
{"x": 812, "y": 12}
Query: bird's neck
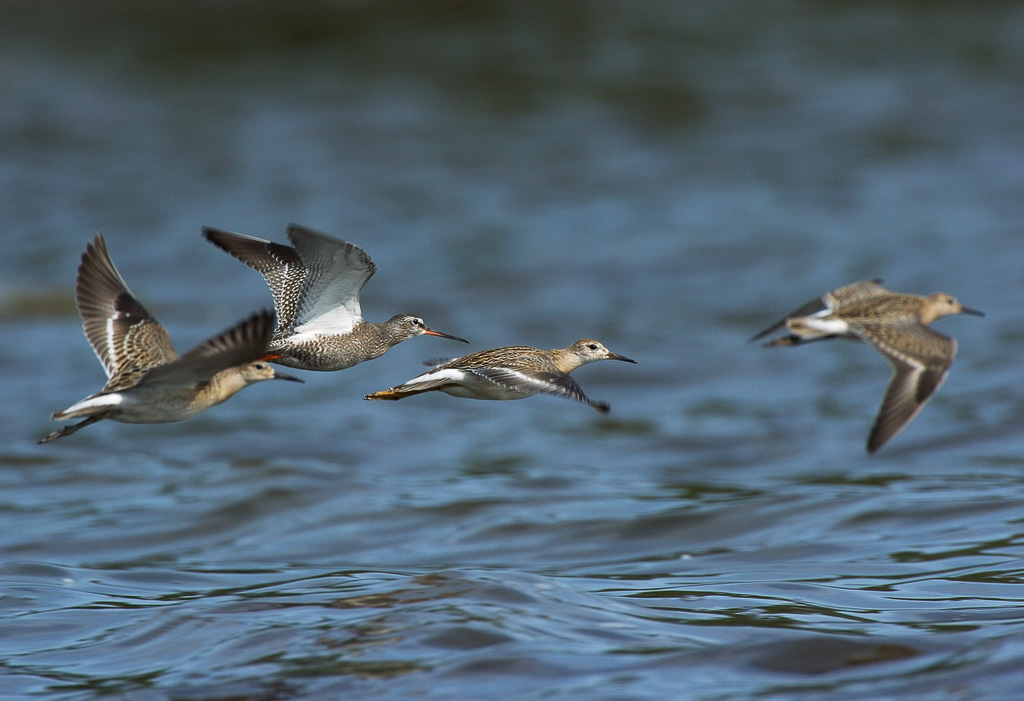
{"x": 565, "y": 360}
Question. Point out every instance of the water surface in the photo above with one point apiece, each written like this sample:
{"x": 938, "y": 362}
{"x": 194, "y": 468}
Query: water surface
{"x": 666, "y": 177}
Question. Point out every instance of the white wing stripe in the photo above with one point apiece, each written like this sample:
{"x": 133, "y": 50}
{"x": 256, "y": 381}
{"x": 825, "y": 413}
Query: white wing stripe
{"x": 112, "y": 353}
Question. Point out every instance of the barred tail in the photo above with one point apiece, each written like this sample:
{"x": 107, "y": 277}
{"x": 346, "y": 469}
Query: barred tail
{"x": 394, "y": 394}
{"x": 390, "y": 394}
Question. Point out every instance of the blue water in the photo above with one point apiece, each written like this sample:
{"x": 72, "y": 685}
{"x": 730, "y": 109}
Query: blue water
{"x": 666, "y": 177}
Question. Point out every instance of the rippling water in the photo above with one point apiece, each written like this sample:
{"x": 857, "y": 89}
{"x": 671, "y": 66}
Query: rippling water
{"x": 666, "y": 177}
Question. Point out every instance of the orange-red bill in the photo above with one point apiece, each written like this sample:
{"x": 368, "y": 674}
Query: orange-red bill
{"x": 431, "y": 332}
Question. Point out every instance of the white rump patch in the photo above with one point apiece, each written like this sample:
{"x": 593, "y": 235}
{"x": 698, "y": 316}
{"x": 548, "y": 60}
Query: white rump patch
{"x": 435, "y": 377}
{"x": 102, "y": 401}
{"x": 90, "y": 404}
{"x": 826, "y": 326}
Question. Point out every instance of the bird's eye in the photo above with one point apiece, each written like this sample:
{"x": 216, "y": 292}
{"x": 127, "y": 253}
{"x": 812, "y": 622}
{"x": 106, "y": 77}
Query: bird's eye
{"x": 260, "y": 366}
{"x": 592, "y": 346}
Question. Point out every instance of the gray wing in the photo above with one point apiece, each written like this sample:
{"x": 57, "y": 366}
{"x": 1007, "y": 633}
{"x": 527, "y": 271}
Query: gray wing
{"x": 243, "y": 343}
{"x": 336, "y": 273}
{"x": 554, "y": 382}
{"x": 920, "y": 358}
{"x": 124, "y": 335}
{"x": 279, "y": 265}
{"x": 838, "y": 297}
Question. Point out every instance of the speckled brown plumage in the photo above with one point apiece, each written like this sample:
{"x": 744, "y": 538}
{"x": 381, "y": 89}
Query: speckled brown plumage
{"x": 147, "y": 381}
{"x": 125, "y": 337}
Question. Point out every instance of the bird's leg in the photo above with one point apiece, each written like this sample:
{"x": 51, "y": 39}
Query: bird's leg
{"x": 792, "y": 340}
{"x": 68, "y": 430}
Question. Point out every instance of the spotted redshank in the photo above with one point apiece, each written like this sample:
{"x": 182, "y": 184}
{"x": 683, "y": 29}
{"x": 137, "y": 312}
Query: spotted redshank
{"x": 316, "y": 286}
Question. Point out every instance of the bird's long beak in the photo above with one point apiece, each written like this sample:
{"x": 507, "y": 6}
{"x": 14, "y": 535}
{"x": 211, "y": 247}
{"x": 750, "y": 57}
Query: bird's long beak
{"x": 968, "y": 310}
{"x": 278, "y": 375}
{"x": 431, "y": 332}
{"x": 616, "y": 356}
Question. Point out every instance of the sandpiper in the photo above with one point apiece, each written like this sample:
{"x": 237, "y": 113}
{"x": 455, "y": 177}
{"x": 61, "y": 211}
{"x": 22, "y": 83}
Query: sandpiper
{"x": 148, "y": 382}
{"x": 513, "y": 372}
{"x": 896, "y": 325}
{"x": 316, "y": 288}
